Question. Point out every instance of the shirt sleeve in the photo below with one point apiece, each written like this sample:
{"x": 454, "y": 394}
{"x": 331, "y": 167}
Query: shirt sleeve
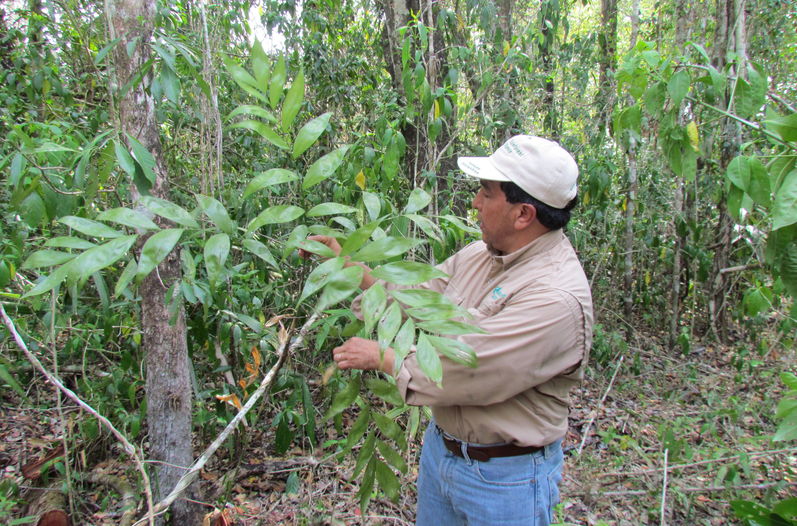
{"x": 533, "y": 338}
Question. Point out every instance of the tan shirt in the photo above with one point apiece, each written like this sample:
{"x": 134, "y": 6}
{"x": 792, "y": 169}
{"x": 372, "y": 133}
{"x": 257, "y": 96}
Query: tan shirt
{"x": 536, "y": 308}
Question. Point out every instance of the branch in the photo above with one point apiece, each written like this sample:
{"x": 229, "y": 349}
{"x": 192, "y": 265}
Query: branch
{"x": 600, "y": 405}
{"x": 664, "y": 490}
{"x": 193, "y": 472}
{"x": 692, "y": 489}
{"x": 129, "y": 448}
{"x": 740, "y": 268}
{"x": 695, "y": 464}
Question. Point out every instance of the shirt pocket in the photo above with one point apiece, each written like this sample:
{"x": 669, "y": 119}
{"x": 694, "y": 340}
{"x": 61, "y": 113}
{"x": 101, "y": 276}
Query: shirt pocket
{"x": 490, "y": 307}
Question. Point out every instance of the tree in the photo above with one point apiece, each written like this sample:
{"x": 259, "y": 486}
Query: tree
{"x": 168, "y": 387}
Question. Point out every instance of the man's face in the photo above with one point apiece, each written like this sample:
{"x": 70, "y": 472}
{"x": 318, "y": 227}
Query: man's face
{"x": 496, "y": 216}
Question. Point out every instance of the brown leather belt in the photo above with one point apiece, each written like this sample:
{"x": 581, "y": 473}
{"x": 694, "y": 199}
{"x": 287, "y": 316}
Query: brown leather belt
{"x": 485, "y": 453}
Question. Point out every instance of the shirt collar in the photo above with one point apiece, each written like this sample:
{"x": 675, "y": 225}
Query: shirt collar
{"x": 542, "y": 244}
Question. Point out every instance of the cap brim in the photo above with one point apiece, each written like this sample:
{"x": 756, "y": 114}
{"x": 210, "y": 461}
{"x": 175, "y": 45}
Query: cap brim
{"x": 481, "y": 168}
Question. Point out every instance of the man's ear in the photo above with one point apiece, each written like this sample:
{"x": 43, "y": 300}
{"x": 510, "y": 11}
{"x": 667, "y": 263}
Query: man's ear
{"x": 526, "y": 216}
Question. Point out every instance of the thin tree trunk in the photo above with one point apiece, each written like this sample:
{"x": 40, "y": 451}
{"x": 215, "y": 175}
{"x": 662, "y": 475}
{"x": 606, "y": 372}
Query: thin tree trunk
{"x": 169, "y": 397}
{"x": 608, "y": 50}
{"x": 631, "y": 195}
{"x": 730, "y": 38}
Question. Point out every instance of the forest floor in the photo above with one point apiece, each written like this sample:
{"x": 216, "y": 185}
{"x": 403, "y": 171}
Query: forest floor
{"x": 706, "y": 416}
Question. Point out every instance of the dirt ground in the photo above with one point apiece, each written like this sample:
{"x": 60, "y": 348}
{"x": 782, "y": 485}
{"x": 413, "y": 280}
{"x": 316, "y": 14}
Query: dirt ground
{"x": 707, "y": 416}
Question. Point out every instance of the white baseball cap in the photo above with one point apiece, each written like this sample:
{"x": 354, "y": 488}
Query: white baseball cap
{"x": 542, "y": 168}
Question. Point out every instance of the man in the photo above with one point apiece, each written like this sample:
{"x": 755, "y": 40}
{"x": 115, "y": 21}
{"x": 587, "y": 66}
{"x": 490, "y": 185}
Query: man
{"x": 492, "y": 454}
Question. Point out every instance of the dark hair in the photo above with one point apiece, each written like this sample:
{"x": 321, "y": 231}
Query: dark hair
{"x": 550, "y": 217}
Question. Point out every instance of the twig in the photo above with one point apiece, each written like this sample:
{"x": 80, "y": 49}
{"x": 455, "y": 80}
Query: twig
{"x": 694, "y": 464}
{"x": 193, "y": 472}
{"x": 740, "y": 268}
{"x": 600, "y": 405}
{"x": 664, "y": 490}
{"x": 60, "y": 411}
{"x": 634, "y": 492}
{"x": 129, "y": 448}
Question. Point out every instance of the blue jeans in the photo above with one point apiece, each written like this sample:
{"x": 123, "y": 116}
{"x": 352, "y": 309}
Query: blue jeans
{"x": 507, "y": 491}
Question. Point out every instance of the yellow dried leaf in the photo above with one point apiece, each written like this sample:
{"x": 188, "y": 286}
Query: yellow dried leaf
{"x": 694, "y": 136}
{"x": 328, "y": 373}
{"x": 242, "y": 383}
{"x": 436, "y": 109}
{"x": 275, "y": 320}
{"x": 256, "y": 357}
{"x": 506, "y": 47}
{"x": 359, "y": 180}
{"x": 647, "y": 277}
{"x": 283, "y": 334}
{"x": 231, "y": 399}
{"x": 250, "y": 368}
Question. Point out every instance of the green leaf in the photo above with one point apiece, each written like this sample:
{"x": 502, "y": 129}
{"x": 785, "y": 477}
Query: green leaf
{"x": 275, "y": 215}
{"x": 324, "y": 167}
{"x": 385, "y": 390}
{"x": 264, "y": 130}
{"x": 155, "y": 249}
{"x": 128, "y": 217}
{"x": 428, "y": 360}
{"x": 407, "y": 273}
{"x": 9, "y": 379}
{"x": 344, "y": 398}
{"x": 316, "y": 247}
{"x": 420, "y": 297}
{"x": 386, "y": 248}
{"x": 327, "y": 209}
{"x": 340, "y": 286}
{"x": 372, "y": 204}
{"x": 738, "y": 172}
{"x": 359, "y": 428}
{"x": 789, "y": 379}
{"x": 785, "y": 127}
{"x": 426, "y": 225}
{"x": 373, "y": 303}
{"x": 387, "y": 480}
{"x": 405, "y": 338}
{"x": 678, "y": 86}
{"x": 455, "y": 350}
{"x": 217, "y": 248}
{"x": 365, "y": 457}
{"x": 257, "y": 111}
{"x": 169, "y": 210}
{"x": 392, "y": 456}
{"x": 784, "y": 212}
{"x": 101, "y": 256}
{"x": 69, "y": 242}
{"x": 759, "y": 188}
{"x": 358, "y": 238}
{"x": 419, "y": 199}
{"x": 319, "y": 277}
{"x": 268, "y": 178}
{"x": 450, "y": 327}
{"x": 260, "y": 65}
{"x": 124, "y": 158}
{"x": 293, "y": 102}
{"x": 310, "y": 133}
{"x": 55, "y": 278}
{"x": 260, "y": 250}
{"x": 89, "y": 227}
{"x": 390, "y": 429}
{"x": 388, "y": 325}
{"x": 47, "y": 258}
{"x": 143, "y": 157}
{"x": 127, "y": 276}
{"x": 244, "y": 79}
{"x": 277, "y": 83}
{"x": 217, "y": 213}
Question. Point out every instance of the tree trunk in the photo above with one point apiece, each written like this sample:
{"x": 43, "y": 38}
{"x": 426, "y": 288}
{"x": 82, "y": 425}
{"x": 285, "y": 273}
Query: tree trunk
{"x": 169, "y": 397}
{"x": 549, "y": 18}
{"x": 607, "y": 64}
{"x": 730, "y": 37}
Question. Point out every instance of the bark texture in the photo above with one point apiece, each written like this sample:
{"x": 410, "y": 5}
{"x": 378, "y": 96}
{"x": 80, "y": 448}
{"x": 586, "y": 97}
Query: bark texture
{"x": 169, "y": 397}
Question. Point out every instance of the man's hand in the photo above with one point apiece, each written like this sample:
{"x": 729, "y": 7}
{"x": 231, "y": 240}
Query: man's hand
{"x": 329, "y": 241}
{"x": 359, "y": 353}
